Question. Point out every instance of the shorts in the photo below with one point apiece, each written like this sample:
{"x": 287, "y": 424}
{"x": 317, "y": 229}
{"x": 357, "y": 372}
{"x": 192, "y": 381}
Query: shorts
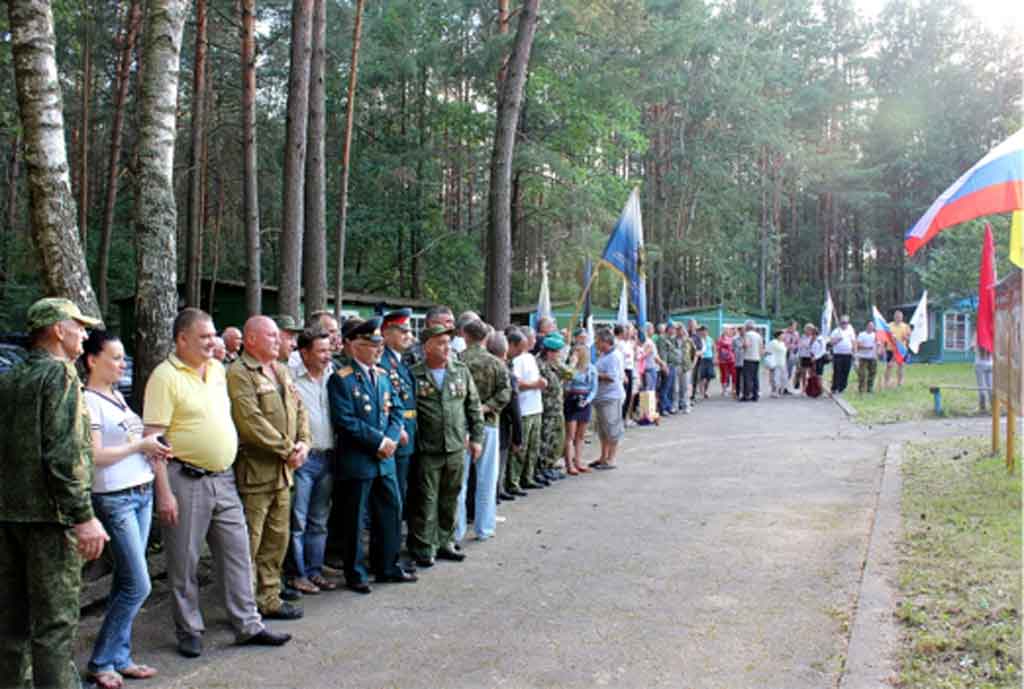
{"x": 890, "y": 356}
{"x": 707, "y": 369}
{"x": 608, "y": 420}
{"x": 806, "y": 362}
{"x": 572, "y": 410}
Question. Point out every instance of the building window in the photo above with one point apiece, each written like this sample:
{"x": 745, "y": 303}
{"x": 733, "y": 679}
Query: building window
{"x": 955, "y": 331}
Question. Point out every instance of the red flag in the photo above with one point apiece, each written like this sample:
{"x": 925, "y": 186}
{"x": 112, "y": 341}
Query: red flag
{"x": 987, "y": 293}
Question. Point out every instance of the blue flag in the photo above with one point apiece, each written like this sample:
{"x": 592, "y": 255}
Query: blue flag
{"x": 625, "y": 253}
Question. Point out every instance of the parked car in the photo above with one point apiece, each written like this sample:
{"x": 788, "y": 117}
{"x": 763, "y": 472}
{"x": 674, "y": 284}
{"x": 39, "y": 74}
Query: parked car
{"x": 10, "y": 356}
{"x": 13, "y": 350}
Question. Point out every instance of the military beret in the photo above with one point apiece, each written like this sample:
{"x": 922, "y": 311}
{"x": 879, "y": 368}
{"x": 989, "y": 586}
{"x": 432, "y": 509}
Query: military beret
{"x": 286, "y": 323}
{"x": 398, "y": 318}
{"x": 553, "y": 342}
{"x": 579, "y": 331}
{"x": 435, "y": 331}
{"x": 365, "y": 330}
{"x": 46, "y": 312}
{"x": 671, "y": 323}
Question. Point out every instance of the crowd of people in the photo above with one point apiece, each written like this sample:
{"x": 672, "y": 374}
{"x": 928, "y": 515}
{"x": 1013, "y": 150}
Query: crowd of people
{"x": 280, "y": 446}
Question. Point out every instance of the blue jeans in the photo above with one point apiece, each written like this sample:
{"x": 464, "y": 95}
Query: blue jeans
{"x": 666, "y": 393}
{"x": 311, "y": 506}
{"x": 486, "y": 504}
{"x": 126, "y": 515}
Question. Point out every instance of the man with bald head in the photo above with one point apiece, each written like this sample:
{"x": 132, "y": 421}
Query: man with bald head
{"x": 273, "y": 441}
{"x": 232, "y": 344}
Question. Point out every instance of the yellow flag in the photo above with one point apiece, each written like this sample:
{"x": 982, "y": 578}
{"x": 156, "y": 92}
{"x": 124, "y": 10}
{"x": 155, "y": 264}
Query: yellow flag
{"x": 1017, "y": 239}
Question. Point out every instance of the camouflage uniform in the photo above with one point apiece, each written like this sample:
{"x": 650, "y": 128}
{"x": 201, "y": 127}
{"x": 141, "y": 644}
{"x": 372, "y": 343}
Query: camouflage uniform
{"x": 552, "y": 422}
{"x": 45, "y": 491}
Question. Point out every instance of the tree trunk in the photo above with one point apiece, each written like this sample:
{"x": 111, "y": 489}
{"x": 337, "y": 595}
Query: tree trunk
{"x": 250, "y": 177}
{"x": 346, "y": 155}
{"x": 83, "y": 139}
{"x": 127, "y": 41}
{"x": 498, "y": 296}
{"x": 40, "y": 106}
{"x": 10, "y": 213}
{"x": 290, "y": 243}
{"x": 314, "y": 240}
{"x": 194, "y": 231}
{"x": 156, "y": 219}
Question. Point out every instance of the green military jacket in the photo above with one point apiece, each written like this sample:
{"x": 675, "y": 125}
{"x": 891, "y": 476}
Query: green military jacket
{"x": 445, "y": 415}
{"x": 552, "y": 396}
{"x": 689, "y": 353}
{"x": 269, "y": 420}
{"x": 670, "y": 351}
{"x": 490, "y": 375}
{"x": 46, "y": 448}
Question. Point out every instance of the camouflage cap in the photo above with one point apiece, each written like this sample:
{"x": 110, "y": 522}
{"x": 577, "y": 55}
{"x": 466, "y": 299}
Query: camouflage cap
{"x": 286, "y": 323}
{"x": 50, "y": 310}
{"x": 435, "y": 331}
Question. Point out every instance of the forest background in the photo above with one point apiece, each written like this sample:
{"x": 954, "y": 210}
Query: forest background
{"x": 781, "y": 146}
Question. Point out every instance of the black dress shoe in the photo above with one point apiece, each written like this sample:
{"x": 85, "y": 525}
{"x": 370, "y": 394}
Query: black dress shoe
{"x": 190, "y": 646}
{"x": 541, "y": 480}
{"x": 267, "y": 638}
{"x": 424, "y": 562}
{"x": 451, "y": 554}
{"x": 287, "y": 611}
{"x": 358, "y": 587}
{"x": 408, "y": 566}
{"x": 403, "y": 578}
{"x": 290, "y": 594}
{"x": 519, "y": 493}
{"x": 533, "y": 486}
{"x": 506, "y": 496}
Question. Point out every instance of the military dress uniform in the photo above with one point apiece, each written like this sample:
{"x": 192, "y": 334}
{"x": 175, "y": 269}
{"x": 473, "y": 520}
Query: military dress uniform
{"x": 365, "y": 411}
{"x": 46, "y": 452}
{"x": 271, "y": 420}
{"x": 446, "y": 413}
{"x": 404, "y": 387}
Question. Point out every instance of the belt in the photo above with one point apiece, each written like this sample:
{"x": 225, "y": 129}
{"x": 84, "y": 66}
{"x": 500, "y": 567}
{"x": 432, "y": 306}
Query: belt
{"x": 409, "y": 414}
{"x": 140, "y": 489}
{"x": 197, "y": 472}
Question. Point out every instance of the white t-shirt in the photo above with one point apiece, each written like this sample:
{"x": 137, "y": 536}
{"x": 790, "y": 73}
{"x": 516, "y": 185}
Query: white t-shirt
{"x": 628, "y": 351}
{"x": 525, "y": 369}
{"x": 867, "y": 340}
{"x": 776, "y": 355}
{"x": 118, "y": 425}
{"x": 843, "y": 339}
{"x": 752, "y": 346}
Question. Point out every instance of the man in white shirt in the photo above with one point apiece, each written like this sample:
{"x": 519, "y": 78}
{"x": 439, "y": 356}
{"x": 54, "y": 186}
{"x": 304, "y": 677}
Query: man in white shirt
{"x": 753, "y": 351}
{"x": 867, "y": 358}
{"x": 844, "y": 341}
{"x": 624, "y": 346}
{"x": 522, "y": 463}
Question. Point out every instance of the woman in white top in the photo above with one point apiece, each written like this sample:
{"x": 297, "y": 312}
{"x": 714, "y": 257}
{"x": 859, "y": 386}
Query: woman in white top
{"x": 123, "y": 500}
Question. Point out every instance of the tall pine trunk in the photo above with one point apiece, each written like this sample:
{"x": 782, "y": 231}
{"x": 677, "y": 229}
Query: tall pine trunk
{"x": 250, "y": 176}
{"x": 346, "y": 151}
{"x": 498, "y": 297}
{"x": 314, "y": 241}
{"x": 40, "y": 107}
{"x": 194, "y": 232}
{"x": 10, "y": 213}
{"x": 156, "y": 218}
{"x": 86, "y": 130}
{"x": 289, "y": 272}
{"x": 127, "y": 42}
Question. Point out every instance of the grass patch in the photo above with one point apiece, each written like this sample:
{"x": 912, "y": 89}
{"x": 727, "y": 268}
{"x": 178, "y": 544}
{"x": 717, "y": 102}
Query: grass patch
{"x": 960, "y": 569}
{"x": 912, "y": 401}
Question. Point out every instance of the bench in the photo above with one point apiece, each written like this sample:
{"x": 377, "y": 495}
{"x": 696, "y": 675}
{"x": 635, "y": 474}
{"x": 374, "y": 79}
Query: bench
{"x": 936, "y": 391}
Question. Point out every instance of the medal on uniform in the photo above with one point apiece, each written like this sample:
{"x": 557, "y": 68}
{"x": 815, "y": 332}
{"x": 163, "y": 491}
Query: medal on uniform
{"x": 367, "y": 408}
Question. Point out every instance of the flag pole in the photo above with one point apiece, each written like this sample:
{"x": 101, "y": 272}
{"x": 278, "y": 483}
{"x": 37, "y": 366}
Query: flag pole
{"x": 583, "y": 295}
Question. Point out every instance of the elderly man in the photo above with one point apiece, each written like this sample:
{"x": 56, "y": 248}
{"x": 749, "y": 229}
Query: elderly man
{"x": 197, "y": 497}
{"x": 219, "y": 350}
{"x": 491, "y": 378}
{"x": 447, "y": 414}
{"x": 436, "y": 315}
{"x": 459, "y": 341}
{"x": 753, "y": 352}
{"x": 395, "y": 331}
{"x": 314, "y": 480}
{"x": 522, "y": 464}
{"x": 273, "y": 434}
{"x": 232, "y": 337}
{"x": 46, "y": 517}
{"x": 325, "y": 320}
{"x": 367, "y": 419}
{"x": 670, "y": 351}
{"x": 288, "y": 332}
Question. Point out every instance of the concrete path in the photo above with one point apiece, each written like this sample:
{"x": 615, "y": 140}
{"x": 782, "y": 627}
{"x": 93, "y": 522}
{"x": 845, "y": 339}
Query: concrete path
{"x": 726, "y": 552}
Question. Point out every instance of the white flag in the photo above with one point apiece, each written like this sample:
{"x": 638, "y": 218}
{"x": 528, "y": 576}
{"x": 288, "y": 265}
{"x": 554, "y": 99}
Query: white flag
{"x": 919, "y": 323}
{"x": 623, "y": 317}
{"x": 544, "y": 299}
{"x": 827, "y": 314}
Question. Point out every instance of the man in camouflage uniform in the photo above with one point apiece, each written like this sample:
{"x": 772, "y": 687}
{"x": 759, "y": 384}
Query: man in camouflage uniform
{"x": 671, "y": 352}
{"x": 552, "y": 422}
{"x": 288, "y": 331}
{"x": 273, "y": 441}
{"x": 447, "y": 412}
{"x": 491, "y": 378}
{"x": 46, "y": 518}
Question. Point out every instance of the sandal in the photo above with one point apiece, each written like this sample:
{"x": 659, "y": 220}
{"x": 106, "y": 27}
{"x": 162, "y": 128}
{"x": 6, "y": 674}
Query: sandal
{"x": 108, "y": 679}
{"x": 583, "y": 469}
{"x": 323, "y": 583}
{"x": 138, "y": 672}
{"x": 304, "y": 585}
{"x": 572, "y": 472}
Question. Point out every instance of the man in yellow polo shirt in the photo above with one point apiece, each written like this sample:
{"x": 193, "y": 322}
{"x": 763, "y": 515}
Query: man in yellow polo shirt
{"x": 901, "y": 333}
{"x": 187, "y": 402}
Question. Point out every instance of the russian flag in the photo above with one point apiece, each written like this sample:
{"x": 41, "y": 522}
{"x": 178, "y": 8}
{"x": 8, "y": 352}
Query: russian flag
{"x": 994, "y": 185}
{"x": 883, "y": 334}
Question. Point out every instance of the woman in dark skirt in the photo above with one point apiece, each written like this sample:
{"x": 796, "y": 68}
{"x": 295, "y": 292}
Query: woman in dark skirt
{"x": 579, "y": 393}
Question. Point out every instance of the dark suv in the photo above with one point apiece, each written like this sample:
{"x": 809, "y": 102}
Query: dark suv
{"x": 14, "y": 349}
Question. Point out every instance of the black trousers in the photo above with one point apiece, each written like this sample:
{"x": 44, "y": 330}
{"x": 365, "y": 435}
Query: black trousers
{"x": 841, "y": 364}
{"x": 627, "y": 384}
{"x": 751, "y": 384}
